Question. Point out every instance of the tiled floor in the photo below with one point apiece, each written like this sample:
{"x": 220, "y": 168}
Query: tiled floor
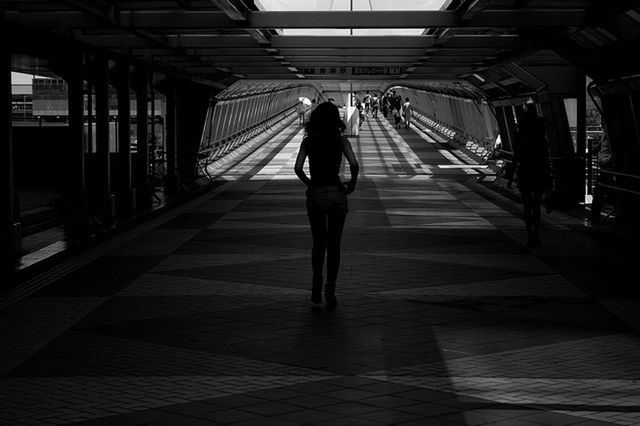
{"x": 444, "y": 318}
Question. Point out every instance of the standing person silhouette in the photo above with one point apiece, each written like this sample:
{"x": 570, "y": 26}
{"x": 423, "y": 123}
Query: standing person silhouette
{"x": 534, "y": 169}
{"x": 326, "y": 194}
{"x": 300, "y": 110}
{"x": 407, "y": 111}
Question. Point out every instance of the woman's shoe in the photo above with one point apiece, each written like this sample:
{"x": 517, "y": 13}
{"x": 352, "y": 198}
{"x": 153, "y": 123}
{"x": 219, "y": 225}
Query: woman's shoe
{"x": 316, "y": 295}
{"x": 534, "y": 241}
{"x": 331, "y": 300}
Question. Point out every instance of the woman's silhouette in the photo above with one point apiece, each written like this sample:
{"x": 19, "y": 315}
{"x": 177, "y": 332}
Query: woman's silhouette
{"x": 534, "y": 171}
{"x": 326, "y": 194}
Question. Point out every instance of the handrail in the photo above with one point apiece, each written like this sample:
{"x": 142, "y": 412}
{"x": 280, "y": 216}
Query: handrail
{"x": 481, "y": 143}
{"x": 618, "y": 188}
{"x": 217, "y": 149}
{"x": 235, "y": 95}
{"x": 611, "y": 172}
{"x": 239, "y": 133}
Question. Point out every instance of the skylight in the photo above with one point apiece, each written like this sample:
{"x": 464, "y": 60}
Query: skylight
{"x": 345, "y": 5}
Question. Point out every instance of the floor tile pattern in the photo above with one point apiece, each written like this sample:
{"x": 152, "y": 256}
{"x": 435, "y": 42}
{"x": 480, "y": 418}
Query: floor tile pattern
{"x": 445, "y": 317}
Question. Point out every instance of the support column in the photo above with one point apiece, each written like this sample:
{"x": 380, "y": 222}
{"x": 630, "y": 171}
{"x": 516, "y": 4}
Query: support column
{"x": 125, "y": 190}
{"x": 74, "y": 191}
{"x": 9, "y": 237}
{"x": 581, "y": 129}
{"x": 568, "y": 171}
{"x": 142, "y": 124}
{"x": 507, "y": 126}
{"x": 103, "y": 156}
{"x": 171, "y": 141}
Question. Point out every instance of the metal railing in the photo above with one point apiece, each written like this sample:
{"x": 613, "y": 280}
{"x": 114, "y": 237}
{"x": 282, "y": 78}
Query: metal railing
{"x": 228, "y": 143}
{"x": 480, "y": 147}
{"x": 617, "y": 185}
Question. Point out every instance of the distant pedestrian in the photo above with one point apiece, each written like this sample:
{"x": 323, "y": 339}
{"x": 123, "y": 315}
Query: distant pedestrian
{"x": 375, "y": 105}
{"x": 361, "y": 115}
{"x": 407, "y": 112}
{"x": 534, "y": 169}
{"x": 397, "y": 100}
{"x": 385, "y": 105}
{"x": 300, "y": 110}
{"x": 367, "y": 103}
{"x": 397, "y": 117}
{"x": 327, "y": 205}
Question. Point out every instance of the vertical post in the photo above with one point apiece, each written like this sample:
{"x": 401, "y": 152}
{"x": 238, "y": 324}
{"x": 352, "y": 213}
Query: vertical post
{"x": 103, "y": 155}
{"x": 142, "y": 111}
{"x": 74, "y": 191}
{"x": 90, "y": 141}
{"x": 568, "y": 173}
{"x": 8, "y": 238}
{"x": 581, "y": 128}
{"x": 510, "y": 128}
{"x": 351, "y": 9}
{"x": 125, "y": 205}
{"x": 154, "y": 140}
{"x": 171, "y": 139}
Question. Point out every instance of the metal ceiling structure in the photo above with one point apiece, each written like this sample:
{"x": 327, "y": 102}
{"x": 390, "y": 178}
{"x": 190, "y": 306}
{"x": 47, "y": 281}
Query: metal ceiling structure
{"x": 492, "y": 44}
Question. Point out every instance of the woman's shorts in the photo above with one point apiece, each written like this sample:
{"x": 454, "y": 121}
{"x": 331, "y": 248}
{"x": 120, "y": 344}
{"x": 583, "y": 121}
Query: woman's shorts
{"x": 325, "y": 199}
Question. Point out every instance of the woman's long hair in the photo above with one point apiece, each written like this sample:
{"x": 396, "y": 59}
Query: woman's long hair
{"x": 325, "y": 122}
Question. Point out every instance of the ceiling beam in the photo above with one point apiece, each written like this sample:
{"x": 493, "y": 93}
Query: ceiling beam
{"x": 391, "y": 42}
{"x": 215, "y": 20}
{"x": 418, "y": 19}
{"x": 472, "y": 8}
{"x": 238, "y": 12}
{"x": 96, "y": 8}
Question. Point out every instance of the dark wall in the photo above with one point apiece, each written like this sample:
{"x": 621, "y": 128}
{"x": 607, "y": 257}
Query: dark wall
{"x": 193, "y": 102}
{"x": 38, "y": 156}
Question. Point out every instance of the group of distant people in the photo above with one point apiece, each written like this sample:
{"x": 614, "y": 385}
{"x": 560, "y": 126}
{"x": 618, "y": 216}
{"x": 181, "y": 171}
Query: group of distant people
{"x": 389, "y": 102}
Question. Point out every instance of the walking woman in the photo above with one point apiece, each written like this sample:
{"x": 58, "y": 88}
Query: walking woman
{"x": 407, "y": 111}
{"x": 326, "y": 194}
{"x": 533, "y": 170}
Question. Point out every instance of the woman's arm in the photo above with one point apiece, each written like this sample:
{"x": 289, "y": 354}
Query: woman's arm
{"x": 299, "y": 167}
{"x": 353, "y": 165}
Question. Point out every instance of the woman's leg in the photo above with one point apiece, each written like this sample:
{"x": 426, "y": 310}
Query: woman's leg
{"x": 527, "y": 211}
{"x": 536, "y": 200}
{"x": 317, "y": 220}
{"x": 334, "y": 236}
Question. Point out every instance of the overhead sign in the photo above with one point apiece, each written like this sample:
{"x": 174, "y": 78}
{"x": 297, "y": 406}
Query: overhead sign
{"x": 376, "y": 70}
{"x": 363, "y": 70}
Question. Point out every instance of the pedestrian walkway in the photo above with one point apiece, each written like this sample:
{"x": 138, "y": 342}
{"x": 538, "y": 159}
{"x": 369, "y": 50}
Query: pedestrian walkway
{"x": 202, "y": 316}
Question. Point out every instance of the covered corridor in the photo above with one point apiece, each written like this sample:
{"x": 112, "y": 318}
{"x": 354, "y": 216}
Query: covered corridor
{"x": 201, "y": 316}
{"x": 155, "y": 251}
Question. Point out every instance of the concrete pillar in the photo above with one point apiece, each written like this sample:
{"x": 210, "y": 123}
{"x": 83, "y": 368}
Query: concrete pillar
{"x": 74, "y": 190}
{"x": 581, "y": 128}
{"x": 125, "y": 189}
{"x": 172, "y": 184}
{"x": 143, "y": 193}
{"x": 568, "y": 169}
{"x": 103, "y": 157}
{"x": 9, "y": 229}
{"x": 507, "y": 125}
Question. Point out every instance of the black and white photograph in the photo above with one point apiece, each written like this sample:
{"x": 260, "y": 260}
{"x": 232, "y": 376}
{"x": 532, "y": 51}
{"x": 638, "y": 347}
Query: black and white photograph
{"x": 320, "y": 212}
